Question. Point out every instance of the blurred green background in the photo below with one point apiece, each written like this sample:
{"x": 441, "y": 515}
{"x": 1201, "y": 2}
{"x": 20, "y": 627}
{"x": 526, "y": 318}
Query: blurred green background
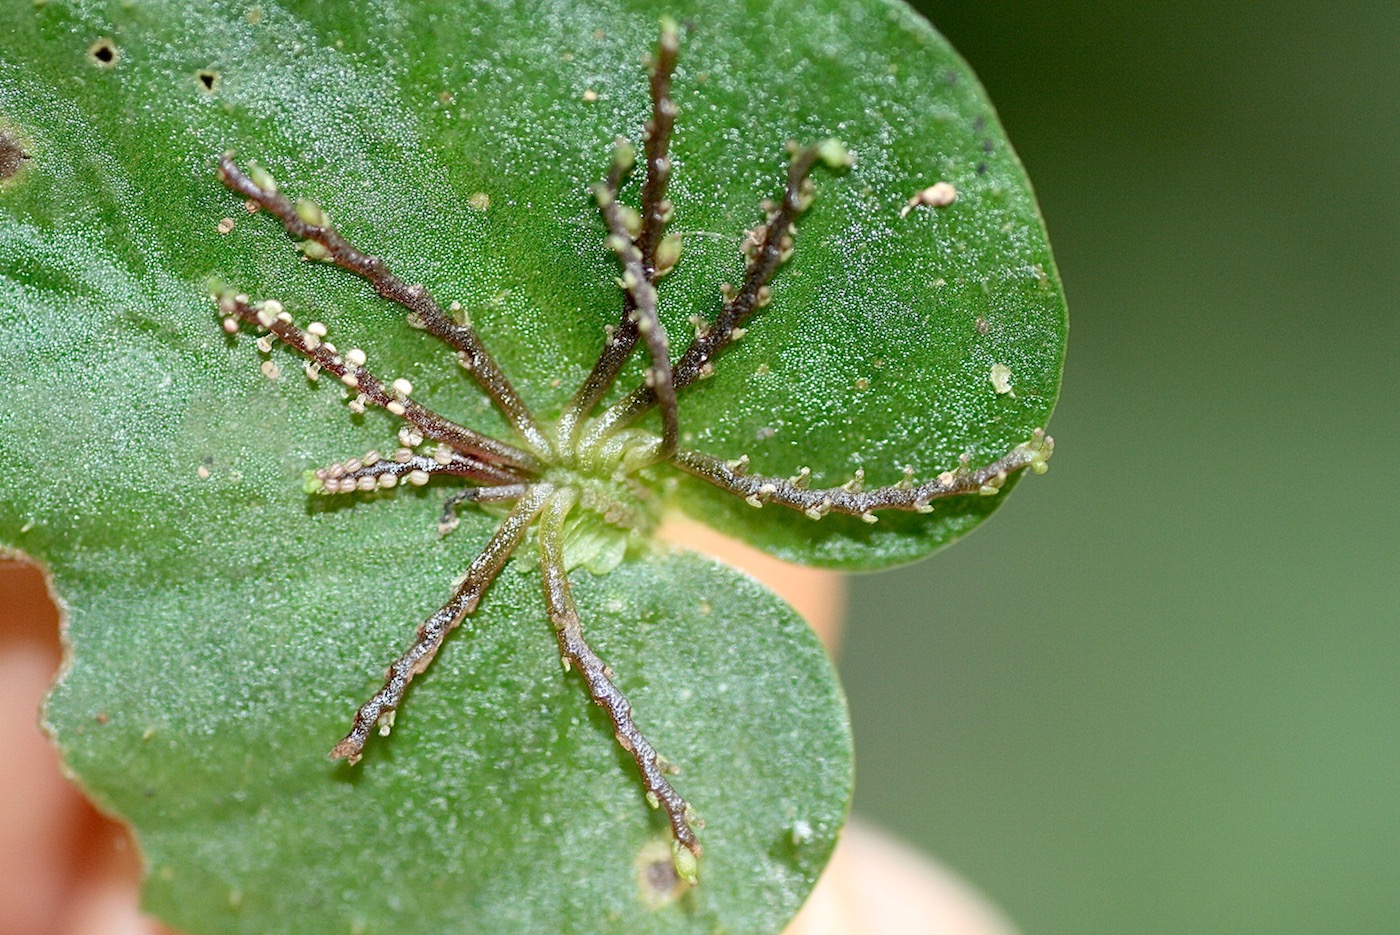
{"x": 1159, "y": 691}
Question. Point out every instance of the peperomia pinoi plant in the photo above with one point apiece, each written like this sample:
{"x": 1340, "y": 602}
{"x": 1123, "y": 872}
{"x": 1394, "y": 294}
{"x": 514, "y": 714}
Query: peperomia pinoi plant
{"x": 580, "y": 462}
{"x": 224, "y": 623}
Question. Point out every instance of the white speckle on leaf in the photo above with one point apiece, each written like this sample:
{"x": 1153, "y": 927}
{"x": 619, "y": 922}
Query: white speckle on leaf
{"x": 1000, "y": 375}
{"x": 937, "y": 195}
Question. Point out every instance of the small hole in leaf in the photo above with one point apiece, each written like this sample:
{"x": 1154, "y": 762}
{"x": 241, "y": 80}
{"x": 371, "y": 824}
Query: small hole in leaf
{"x": 208, "y": 79}
{"x": 103, "y": 53}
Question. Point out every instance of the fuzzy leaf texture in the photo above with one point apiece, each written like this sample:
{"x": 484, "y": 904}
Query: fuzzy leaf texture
{"x": 223, "y": 624}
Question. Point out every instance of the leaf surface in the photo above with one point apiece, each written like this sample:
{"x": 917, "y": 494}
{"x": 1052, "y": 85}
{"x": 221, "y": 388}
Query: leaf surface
{"x": 223, "y": 626}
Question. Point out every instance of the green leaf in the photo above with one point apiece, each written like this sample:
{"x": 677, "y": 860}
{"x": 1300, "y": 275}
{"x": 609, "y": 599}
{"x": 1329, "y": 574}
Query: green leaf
{"x": 500, "y": 802}
{"x": 224, "y": 625}
{"x": 877, "y": 350}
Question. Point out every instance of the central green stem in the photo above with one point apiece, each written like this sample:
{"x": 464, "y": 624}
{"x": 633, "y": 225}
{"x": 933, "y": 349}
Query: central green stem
{"x": 602, "y": 475}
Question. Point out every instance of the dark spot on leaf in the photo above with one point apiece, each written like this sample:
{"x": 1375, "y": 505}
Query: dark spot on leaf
{"x": 12, "y": 155}
{"x": 208, "y": 79}
{"x": 657, "y": 881}
{"x": 661, "y": 876}
{"x": 988, "y": 146}
{"x": 103, "y": 53}
{"x": 981, "y": 168}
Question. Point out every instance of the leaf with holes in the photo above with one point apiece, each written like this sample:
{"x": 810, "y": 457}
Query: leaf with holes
{"x": 275, "y": 283}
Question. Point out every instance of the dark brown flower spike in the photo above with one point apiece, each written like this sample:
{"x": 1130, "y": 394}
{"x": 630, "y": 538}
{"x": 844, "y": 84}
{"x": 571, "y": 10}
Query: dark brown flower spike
{"x": 765, "y": 250}
{"x": 576, "y": 653}
{"x": 350, "y": 370}
{"x": 658, "y": 254}
{"x": 792, "y": 492}
{"x": 636, "y": 281}
{"x": 379, "y": 710}
{"x": 321, "y": 241}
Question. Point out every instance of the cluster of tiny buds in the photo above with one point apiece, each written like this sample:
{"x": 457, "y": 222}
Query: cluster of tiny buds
{"x": 313, "y": 336}
{"x": 353, "y": 475}
{"x": 1038, "y": 448}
